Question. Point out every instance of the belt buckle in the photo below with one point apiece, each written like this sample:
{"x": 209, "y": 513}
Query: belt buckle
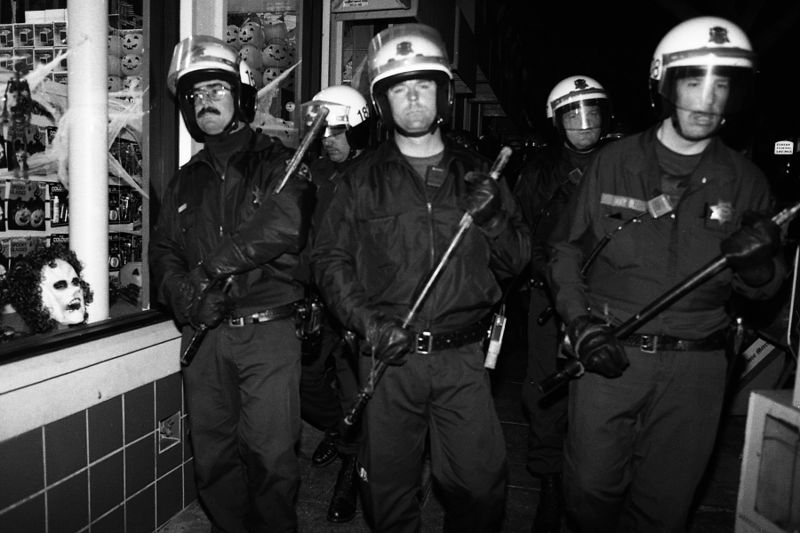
{"x": 649, "y": 343}
{"x": 424, "y": 342}
{"x": 237, "y": 322}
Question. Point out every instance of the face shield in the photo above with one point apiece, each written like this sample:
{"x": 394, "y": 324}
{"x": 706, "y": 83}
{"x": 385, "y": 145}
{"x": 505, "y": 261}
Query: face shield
{"x": 336, "y": 122}
{"x": 714, "y": 89}
{"x": 583, "y": 115}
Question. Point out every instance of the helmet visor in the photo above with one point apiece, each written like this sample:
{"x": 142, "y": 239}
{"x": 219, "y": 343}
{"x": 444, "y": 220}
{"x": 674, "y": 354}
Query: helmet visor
{"x": 337, "y": 120}
{"x": 583, "y": 115}
{"x": 198, "y": 53}
{"x": 715, "y": 89}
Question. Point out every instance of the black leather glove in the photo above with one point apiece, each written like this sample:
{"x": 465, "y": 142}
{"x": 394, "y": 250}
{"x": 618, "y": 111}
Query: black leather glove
{"x": 749, "y": 251}
{"x": 390, "y": 341}
{"x": 596, "y": 347}
{"x": 209, "y": 309}
{"x": 199, "y": 279}
{"x": 483, "y": 201}
{"x": 180, "y": 295}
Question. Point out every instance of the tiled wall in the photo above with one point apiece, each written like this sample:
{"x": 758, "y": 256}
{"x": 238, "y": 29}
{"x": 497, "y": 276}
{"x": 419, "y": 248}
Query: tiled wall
{"x": 109, "y": 467}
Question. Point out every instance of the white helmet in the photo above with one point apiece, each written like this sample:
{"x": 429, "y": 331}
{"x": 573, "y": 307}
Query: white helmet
{"x": 579, "y": 103}
{"x": 409, "y": 51}
{"x": 203, "y": 57}
{"x": 348, "y": 111}
{"x": 698, "y": 48}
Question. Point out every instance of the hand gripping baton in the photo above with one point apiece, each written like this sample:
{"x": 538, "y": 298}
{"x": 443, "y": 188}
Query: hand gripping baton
{"x": 200, "y": 332}
{"x": 574, "y": 368}
{"x": 375, "y": 375}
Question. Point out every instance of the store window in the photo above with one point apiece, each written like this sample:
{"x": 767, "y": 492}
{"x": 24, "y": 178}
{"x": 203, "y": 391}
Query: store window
{"x": 34, "y": 174}
{"x": 265, "y": 33}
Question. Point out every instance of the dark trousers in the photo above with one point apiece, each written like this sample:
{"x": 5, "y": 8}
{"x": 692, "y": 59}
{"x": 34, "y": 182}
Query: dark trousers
{"x": 445, "y": 396}
{"x": 324, "y": 398}
{"x": 638, "y": 445}
{"x": 547, "y": 415}
{"x": 244, "y": 421}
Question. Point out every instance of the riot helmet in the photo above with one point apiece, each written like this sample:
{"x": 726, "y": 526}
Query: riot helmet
{"x": 714, "y": 55}
{"x": 579, "y": 106}
{"x": 405, "y": 52}
{"x": 348, "y": 112}
{"x": 200, "y": 58}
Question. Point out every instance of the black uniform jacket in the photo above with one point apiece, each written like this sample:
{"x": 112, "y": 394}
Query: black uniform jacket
{"x": 386, "y": 230}
{"x": 236, "y": 223}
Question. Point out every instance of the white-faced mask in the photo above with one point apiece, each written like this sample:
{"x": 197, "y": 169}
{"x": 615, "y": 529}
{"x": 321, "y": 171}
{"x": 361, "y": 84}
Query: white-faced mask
{"x": 62, "y": 295}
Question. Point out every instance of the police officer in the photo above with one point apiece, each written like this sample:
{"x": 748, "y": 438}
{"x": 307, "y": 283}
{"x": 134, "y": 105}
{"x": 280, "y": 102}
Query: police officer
{"x": 580, "y": 111}
{"x": 644, "y": 416}
{"x": 224, "y": 254}
{"x": 346, "y": 136}
{"x": 387, "y": 226}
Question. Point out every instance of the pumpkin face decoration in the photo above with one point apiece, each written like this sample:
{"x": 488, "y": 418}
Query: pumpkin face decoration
{"x": 271, "y": 73}
{"x": 132, "y": 83}
{"x": 252, "y": 56}
{"x": 276, "y": 54}
{"x": 232, "y": 36}
{"x": 114, "y": 83}
{"x": 132, "y": 42}
{"x": 251, "y": 33}
{"x": 131, "y": 64}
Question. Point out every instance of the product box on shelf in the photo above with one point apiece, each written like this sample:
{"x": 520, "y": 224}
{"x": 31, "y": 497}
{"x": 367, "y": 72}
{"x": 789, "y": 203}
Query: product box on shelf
{"x": 23, "y": 36}
{"x": 43, "y": 35}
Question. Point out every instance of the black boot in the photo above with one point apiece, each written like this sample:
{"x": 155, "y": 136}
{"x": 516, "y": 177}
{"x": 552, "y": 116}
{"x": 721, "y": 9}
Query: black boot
{"x": 551, "y": 505}
{"x": 326, "y": 451}
{"x": 345, "y": 494}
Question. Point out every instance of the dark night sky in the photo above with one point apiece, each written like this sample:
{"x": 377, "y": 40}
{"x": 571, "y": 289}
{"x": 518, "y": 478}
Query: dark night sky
{"x": 614, "y": 42}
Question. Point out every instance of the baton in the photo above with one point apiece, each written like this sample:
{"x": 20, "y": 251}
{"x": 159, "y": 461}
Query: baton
{"x": 200, "y": 332}
{"x": 365, "y": 394}
{"x": 574, "y": 368}
{"x": 305, "y": 144}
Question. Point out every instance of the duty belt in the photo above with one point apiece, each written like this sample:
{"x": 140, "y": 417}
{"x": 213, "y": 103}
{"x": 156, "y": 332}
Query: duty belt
{"x": 667, "y": 343}
{"x": 267, "y": 315}
{"x": 428, "y": 342}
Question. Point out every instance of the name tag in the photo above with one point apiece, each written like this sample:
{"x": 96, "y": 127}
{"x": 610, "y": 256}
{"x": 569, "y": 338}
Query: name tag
{"x": 658, "y": 206}
{"x": 623, "y": 201}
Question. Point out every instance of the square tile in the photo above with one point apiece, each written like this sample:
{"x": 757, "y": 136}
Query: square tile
{"x": 113, "y": 522}
{"x": 169, "y": 394}
{"x": 169, "y": 496}
{"x": 21, "y": 459}
{"x": 106, "y": 485}
{"x": 139, "y": 465}
{"x": 139, "y": 412}
{"x": 27, "y": 518}
{"x": 68, "y": 504}
{"x": 189, "y": 487}
{"x": 140, "y": 512}
{"x": 65, "y": 446}
{"x": 105, "y": 428}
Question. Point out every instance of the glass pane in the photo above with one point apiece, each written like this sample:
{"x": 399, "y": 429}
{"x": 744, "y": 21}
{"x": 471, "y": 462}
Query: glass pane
{"x": 266, "y": 39}
{"x": 34, "y": 178}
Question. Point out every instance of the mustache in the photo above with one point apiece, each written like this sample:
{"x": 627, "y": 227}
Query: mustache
{"x": 208, "y": 110}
